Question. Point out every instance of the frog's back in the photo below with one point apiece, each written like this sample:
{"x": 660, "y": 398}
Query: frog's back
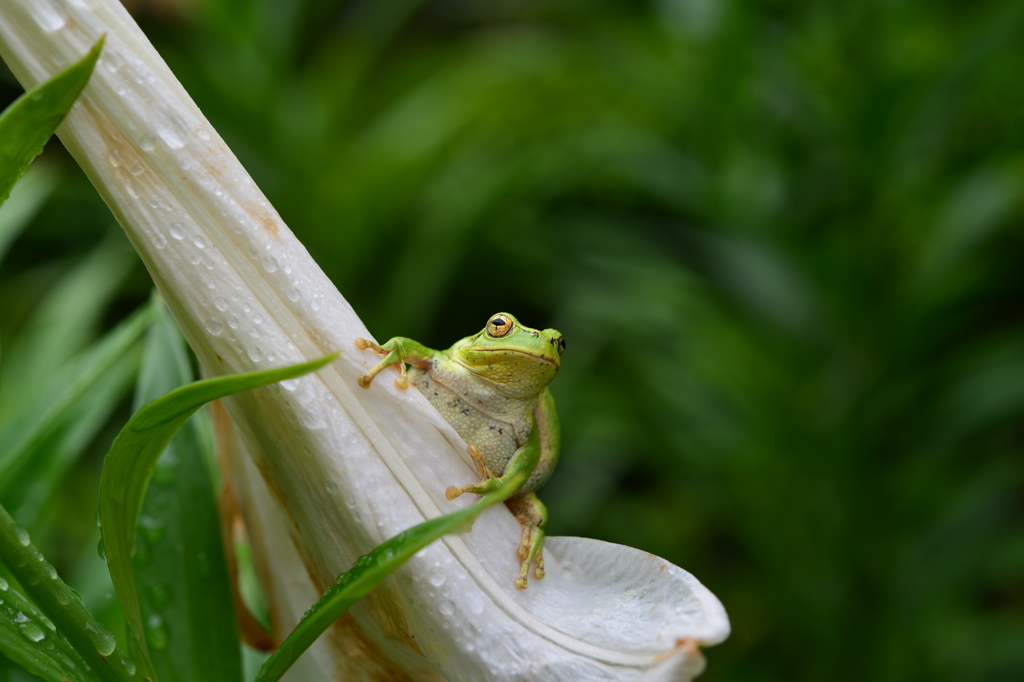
{"x": 497, "y": 430}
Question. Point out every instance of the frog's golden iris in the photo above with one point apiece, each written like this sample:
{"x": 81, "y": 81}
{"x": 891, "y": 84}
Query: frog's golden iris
{"x": 492, "y": 388}
{"x": 500, "y": 325}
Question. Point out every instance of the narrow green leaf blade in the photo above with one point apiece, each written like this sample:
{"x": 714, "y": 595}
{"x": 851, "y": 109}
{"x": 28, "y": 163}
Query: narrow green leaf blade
{"x": 65, "y": 321}
{"x": 184, "y": 588}
{"x": 133, "y": 456}
{"x": 30, "y": 428}
{"x": 28, "y": 639}
{"x": 371, "y": 569}
{"x": 26, "y": 125}
{"x": 93, "y": 642}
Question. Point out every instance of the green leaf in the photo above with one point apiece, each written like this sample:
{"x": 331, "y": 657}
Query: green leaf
{"x": 26, "y": 125}
{"x": 372, "y": 568}
{"x": 66, "y": 319}
{"x": 66, "y": 394}
{"x": 49, "y": 656}
{"x": 133, "y": 457}
{"x": 93, "y": 642}
{"x": 184, "y": 589}
{"x": 26, "y": 199}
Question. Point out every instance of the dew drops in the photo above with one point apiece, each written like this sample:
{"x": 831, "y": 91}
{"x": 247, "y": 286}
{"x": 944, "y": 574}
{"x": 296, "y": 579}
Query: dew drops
{"x": 156, "y": 632}
{"x": 129, "y": 665}
{"x": 137, "y": 169}
{"x": 270, "y": 264}
{"x": 51, "y": 572}
{"x": 257, "y": 318}
{"x": 101, "y": 638}
{"x": 221, "y": 304}
{"x": 312, "y": 418}
{"x": 199, "y": 242}
{"x": 47, "y": 15}
{"x": 22, "y": 536}
{"x": 159, "y": 241}
{"x": 475, "y": 603}
{"x": 233, "y": 322}
{"x": 254, "y": 353}
{"x": 203, "y": 134}
{"x": 147, "y": 143}
{"x": 332, "y": 487}
{"x": 447, "y": 608}
{"x": 3, "y": 585}
{"x": 177, "y": 231}
{"x": 32, "y": 631}
{"x": 196, "y": 259}
{"x": 294, "y": 294}
{"x": 436, "y": 576}
{"x": 112, "y": 60}
{"x": 169, "y": 129}
{"x": 290, "y": 384}
{"x": 101, "y": 549}
{"x": 246, "y": 308}
{"x": 121, "y": 90}
{"x": 115, "y": 158}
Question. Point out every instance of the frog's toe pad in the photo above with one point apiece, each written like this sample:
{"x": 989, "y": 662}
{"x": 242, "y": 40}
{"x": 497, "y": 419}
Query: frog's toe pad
{"x": 452, "y": 492}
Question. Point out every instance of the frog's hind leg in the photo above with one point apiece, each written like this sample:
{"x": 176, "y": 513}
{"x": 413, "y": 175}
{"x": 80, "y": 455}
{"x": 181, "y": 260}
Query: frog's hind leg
{"x": 532, "y": 515}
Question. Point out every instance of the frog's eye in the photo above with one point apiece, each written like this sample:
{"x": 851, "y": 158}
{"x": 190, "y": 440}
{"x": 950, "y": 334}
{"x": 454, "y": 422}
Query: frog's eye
{"x": 499, "y": 326}
{"x": 560, "y": 344}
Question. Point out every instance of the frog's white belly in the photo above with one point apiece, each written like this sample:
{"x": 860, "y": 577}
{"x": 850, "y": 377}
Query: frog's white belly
{"x": 496, "y": 436}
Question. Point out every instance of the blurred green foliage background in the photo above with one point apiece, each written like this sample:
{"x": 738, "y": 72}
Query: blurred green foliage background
{"x": 783, "y": 241}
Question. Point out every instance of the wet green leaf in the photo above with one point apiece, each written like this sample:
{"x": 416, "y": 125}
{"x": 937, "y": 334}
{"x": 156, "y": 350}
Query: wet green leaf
{"x": 133, "y": 458}
{"x": 183, "y": 586}
{"x": 26, "y": 125}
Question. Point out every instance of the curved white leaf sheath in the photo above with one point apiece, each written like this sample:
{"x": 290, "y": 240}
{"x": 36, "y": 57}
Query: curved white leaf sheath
{"x": 351, "y": 467}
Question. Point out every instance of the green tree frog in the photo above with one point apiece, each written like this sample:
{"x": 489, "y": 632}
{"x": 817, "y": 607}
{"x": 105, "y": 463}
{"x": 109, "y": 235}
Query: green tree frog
{"x": 492, "y": 387}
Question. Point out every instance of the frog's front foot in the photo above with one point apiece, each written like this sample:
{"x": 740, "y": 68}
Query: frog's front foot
{"x": 392, "y": 357}
{"x": 532, "y": 515}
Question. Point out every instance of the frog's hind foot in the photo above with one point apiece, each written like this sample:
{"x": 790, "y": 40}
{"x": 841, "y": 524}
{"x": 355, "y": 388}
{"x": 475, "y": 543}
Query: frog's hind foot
{"x": 532, "y": 515}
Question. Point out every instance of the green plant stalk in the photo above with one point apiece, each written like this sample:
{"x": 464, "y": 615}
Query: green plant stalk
{"x": 93, "y": 642}
{"x": 132, "y": 458}
{"x": 370, "y": 569}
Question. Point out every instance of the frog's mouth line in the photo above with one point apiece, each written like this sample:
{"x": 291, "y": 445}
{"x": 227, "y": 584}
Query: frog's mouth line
{"x": 523, "y": 352}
